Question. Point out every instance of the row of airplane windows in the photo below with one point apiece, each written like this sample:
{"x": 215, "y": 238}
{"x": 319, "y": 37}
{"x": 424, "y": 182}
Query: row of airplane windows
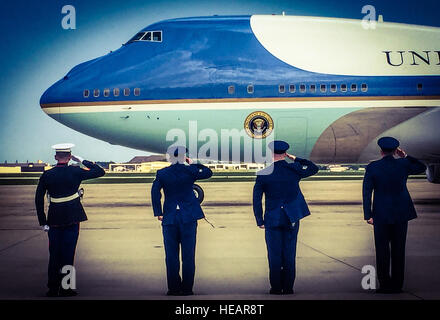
{"x": 116, "y": 92}
{"x": 250, "y": 89}
{"x": 312, "y": 88}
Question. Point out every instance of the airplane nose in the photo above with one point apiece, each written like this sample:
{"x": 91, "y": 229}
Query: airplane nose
{"x": 45, "y": 97}
{"x": 46, "y": 104}
{"x": 51, "y": 99}
{"x": 70, "y": 86}
{"x": 51, "y": 95}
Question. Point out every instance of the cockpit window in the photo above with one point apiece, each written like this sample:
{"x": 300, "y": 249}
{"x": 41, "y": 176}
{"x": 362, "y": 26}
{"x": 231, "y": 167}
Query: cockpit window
{"x": 151, "y": 36}
{"x": 157, "y": 36}
{"x": 137, "y": 37}
{"x": 147, "y": 36}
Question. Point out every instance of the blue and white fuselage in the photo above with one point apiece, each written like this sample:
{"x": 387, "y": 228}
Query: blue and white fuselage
{"x": 328, "y": 86}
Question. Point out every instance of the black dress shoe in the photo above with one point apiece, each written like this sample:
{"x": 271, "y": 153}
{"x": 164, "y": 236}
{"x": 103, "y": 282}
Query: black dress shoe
{"x": 173, "y": 293}
{"x": 52, "y": 293}
{"x": 273, "y": 291}
{"x": 289, "y": 291}
{"x": 68, "y": 293}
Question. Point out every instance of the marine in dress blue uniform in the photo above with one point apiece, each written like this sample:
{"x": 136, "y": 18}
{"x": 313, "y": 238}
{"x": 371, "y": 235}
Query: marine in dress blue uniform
{"x": 65, "y": 212}
{"x": 179, "y": 216}
{"x": 390, "y": 211}
{"x": 285, "y": 206}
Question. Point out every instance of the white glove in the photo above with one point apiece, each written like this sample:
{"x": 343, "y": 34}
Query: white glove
{"x": 45, "y": 228}
{"x": 77, "y": 159}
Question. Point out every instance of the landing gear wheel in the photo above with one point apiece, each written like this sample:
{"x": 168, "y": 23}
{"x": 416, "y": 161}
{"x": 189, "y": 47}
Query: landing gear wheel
{"x": 198, "y": 191}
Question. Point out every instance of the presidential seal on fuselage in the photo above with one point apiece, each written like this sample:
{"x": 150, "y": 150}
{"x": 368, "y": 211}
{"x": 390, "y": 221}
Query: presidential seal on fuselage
{"x": 258, "y": 125}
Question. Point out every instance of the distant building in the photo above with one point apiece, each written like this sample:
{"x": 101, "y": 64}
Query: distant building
{"x": 156, "y": 162}
{"x": 152, "y": 158}
{"x": 104, "y": 164}
{"x": 19, "y": 167}
{"x": 337, "y": 168}
{"x": 141, "y": 164}
{"x": 138, "y": 167}
{"x": 235, "y": 166}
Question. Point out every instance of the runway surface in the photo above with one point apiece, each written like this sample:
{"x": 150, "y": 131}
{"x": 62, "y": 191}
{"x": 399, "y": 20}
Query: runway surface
{"x": 120, "y": 252}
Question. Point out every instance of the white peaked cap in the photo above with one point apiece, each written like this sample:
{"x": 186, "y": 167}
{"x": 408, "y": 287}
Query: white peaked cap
{"x": 63, "y": 147}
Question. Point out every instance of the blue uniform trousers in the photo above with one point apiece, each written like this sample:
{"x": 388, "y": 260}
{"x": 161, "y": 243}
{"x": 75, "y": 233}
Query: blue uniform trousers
{"x": 62, "y": 246}
{"x": 390, "y": 241}
{"x": 281, "y": 252}
{"x": 180, "y": 236}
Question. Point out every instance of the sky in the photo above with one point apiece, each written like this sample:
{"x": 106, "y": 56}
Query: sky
{"x": 37, "y": 51}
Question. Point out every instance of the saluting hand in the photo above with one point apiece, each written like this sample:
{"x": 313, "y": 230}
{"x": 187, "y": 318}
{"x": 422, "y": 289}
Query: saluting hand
{"x": 77, "y": 159}
{"x": 188, "y": 160}
{"x": 290, "y": 156}
{"x": 401, "y": 153}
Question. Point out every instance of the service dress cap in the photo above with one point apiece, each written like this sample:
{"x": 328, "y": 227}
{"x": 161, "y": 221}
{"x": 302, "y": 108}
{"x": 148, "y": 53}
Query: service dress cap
{"x": 278, "y": 146}
{"x": 177, "y": 150}
{"x": 63, "y": 147}
{"x": 388, "y": 143}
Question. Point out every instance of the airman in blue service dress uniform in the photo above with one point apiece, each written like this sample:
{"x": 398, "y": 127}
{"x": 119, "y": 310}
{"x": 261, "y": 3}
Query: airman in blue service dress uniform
{"x": 179, "y": 216}
{"x": 284, "y": 207}
{"x": 392, "y": 209}
{"x": 65, "y": 212}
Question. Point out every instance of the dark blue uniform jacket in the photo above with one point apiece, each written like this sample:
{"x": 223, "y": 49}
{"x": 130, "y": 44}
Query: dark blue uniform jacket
{"x": 280, "y": 184}
{"x": 63, "y": 181}
{"x": 387, "y": 178}
{"x": 177, "y": 183}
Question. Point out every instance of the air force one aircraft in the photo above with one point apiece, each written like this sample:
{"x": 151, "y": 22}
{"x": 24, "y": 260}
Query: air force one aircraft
{"x": 327, "y": 86}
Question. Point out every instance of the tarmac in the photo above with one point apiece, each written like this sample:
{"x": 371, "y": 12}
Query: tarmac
{"x": 120, "y": 251}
